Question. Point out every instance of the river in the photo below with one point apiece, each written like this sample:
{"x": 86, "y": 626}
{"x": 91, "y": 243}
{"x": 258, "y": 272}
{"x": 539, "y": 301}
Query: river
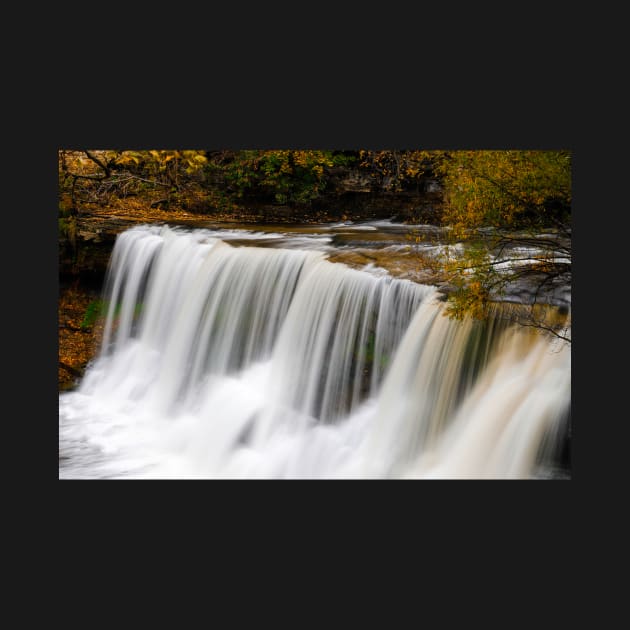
{"x": 309, "y": 352}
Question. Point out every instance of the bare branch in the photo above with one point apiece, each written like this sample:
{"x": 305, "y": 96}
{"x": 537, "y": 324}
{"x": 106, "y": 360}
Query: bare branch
{"x": 539, "y": 325}
{"x": 99, "y": 163}
{"x": 492, "y": 263}
{"x": 149, "y": 181}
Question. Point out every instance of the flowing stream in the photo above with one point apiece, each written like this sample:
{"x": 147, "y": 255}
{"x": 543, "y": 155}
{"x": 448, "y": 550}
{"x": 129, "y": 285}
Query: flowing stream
{"x": 238, "y": 353}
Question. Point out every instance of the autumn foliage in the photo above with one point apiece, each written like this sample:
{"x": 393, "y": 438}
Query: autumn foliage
{"x": 79, "y": 333}
{"x": 524, "y": 198}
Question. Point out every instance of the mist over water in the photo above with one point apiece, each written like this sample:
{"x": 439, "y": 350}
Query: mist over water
{"x": 249, "y": 361}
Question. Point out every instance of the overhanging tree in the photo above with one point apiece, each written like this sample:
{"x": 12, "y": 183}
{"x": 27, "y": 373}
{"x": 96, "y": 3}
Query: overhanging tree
{"x": 512, "y": 210}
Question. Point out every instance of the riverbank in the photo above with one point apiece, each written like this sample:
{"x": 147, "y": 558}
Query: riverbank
{"x": 79, "y": 333}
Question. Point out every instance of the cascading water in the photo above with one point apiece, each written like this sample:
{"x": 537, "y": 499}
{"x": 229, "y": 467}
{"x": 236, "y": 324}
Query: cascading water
{"x": 246, "y": 362}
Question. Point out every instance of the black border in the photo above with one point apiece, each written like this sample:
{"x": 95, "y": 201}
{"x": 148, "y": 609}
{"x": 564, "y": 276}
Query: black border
{"x": 338, "y": 101}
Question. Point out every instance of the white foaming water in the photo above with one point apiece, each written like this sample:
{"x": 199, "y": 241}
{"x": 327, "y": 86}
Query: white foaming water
{"x": 244, "y": 362}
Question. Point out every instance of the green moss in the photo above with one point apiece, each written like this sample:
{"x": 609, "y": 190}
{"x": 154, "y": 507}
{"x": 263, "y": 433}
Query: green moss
{"x": 98, "y": 308}
{"x": 94, "y": 310}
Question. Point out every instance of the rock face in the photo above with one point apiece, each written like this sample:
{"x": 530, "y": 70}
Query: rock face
{"x": 353, "y": 181}
{"x": 84, "y": 253}
{"x": 352, "y": 190}
{"x": 351, "y": 195}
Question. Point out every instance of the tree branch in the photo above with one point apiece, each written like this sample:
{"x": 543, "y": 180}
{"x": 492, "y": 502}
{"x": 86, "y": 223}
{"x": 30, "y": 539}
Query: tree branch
{"x": 70, "y": 369}
{"x": 99, "y": 163}
{"x": 149, "y": 181}
{"x": 491, "y": 263}
{"x": 541, "y": 326}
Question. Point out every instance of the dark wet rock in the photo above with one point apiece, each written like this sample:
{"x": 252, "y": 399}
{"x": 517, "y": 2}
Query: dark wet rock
{"x": 445, "y": 289}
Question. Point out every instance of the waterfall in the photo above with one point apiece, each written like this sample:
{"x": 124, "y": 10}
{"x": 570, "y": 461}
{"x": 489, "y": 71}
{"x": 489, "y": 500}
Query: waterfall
{"x": 244, "y": 362}
{"x": 470, "y": 399}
